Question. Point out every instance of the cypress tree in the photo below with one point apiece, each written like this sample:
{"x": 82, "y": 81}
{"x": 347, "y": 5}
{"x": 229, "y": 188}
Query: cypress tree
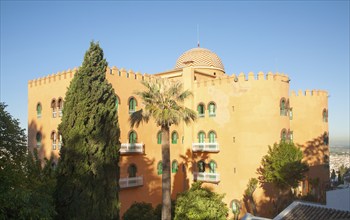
{"x": 88, "y": 172}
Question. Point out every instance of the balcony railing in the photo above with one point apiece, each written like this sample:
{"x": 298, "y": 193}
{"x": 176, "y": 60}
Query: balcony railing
{"x": 131, "y": 182}
{"x": 206, "y": 147}
{"x": 207, "y": 177}
{"x": 126, "y": 148}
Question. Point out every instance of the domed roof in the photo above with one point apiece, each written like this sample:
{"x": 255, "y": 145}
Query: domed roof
{"x": 199, "y": 57}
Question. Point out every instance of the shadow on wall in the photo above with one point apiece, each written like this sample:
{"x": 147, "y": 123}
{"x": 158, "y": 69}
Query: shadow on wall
{"x": 150, "y": 191}
{"x": 36, "y": 139}
{"x": 272, "y": 201}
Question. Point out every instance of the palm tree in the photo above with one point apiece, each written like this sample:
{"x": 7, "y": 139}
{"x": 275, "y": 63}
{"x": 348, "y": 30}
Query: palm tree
{"x": 163, "y": 102}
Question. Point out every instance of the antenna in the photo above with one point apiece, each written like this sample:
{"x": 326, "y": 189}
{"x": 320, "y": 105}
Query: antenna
{"x": 198, "y": 36}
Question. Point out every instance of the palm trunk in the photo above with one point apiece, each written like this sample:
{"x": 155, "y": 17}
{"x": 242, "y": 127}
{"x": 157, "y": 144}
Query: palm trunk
{"x": 166, "y": 178}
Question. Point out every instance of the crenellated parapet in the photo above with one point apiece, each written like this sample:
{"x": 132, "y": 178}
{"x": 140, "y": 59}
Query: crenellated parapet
{"x": 69, "y": 74}
{"x": 308, "y": 92}
{"x": 51, "y": 78}
{"x": 242, "y": 77}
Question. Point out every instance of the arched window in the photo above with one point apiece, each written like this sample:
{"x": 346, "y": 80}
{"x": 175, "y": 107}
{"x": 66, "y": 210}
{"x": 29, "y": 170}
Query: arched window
{"x": 159, "y": 137}
{"x": 132, "y": 105}
{"x": 174, "y": 137}
{"x": 160, "y": 168}
{"x": 212, "y": 137}
{"x": 212, "y": 109}
{"x": 283, "y": 111}
{"x": 117, "y": 102}
{"x": 325, "y": 115}
{"x": 201, "y": 166}
{"x": 325, "y": 138}
{"x": 38, "y": 110}
{"x": 60, "y": 107}
{"x": 201, "y": 110}
{"x": 132, "y": 170}
{"x": 283, "y": 135}
{"x": 38, "y": 140}
{"x": 174, "y": 166}
{"x": 212, "y": 166}
{"x": 53, "y": 107}
{"x": 53, "y": 140}
{"x": 60, "y": 142}
{"x": 201, "y": 137}
{"x": 132, "y": 137}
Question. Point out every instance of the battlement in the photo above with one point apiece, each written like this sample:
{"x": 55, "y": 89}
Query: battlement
{"x": 69, "y": 74}
{"x": 308, "y": 92}
{"x": 242, "y": 77}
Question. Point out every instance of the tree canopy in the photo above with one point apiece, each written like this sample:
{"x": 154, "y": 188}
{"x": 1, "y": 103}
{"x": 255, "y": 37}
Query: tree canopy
{"x": 200, "y": 203}
{"x": 283, "y": 166}
{"x": 88, "y": 173}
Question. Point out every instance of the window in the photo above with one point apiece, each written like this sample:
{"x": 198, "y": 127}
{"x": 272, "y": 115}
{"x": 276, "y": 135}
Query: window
{"x": 291, "y": 114}
{"x": 201, "y": 166}
{"x": 291, "y": 136}
{"x": 159, "y": 137}
{"x": 201, "y": 137}
{"x": 283, "y": 135}
{"x": 174, "y": 166}
{"x": 212, "y": 137}
{"x": 53, "y": 106}
{"x": 132, "y": 105}
{"x": 201, "y": 110}
{"x": 132, "y": 170}
{"x": 212, "y": 109}
{"x": 60, "y": 142}
{"x": 53, "y": 140}
{"x": 60, "y": 107}
{"x": 325, "y": 115}
{"x": 132, "y": 137}
{"x": 38, "y": 110}
{"x": 325, "y": 138}
{"x": 212, "y": 166}
{"x": 117, "y": 102}
{"x": 38, "y": 140}
{"x": 174, "y": 137}
{"x": 160, "y": 168}
{"x": 283, "y": 111}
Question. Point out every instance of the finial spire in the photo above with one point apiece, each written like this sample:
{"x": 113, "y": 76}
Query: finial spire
{"x": 198, "y": 45}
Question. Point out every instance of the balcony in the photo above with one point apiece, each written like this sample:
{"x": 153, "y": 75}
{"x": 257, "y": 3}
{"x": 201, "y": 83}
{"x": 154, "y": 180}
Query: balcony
{"x": 130, "y": 182}
{"x": 207, "y": 177}
{"x": 127, "y": 148}
{"x": 205, "y": 147}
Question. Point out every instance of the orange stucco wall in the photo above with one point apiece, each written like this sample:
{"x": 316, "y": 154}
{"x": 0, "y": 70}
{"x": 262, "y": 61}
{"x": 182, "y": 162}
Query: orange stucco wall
{"x": 247, "y": 121}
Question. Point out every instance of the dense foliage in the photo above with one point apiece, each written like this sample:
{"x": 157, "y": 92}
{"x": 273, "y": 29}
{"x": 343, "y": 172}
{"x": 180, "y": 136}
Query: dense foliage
{"x": 248, "y": 195}
{"x": 26, "y": 186}
{"x": 283, "y": 166}
{"x": 88, "y": 173}
{"x": 200, "y": 203}
{"x": 140, "y": 210}
{"x": 163, "y": 102}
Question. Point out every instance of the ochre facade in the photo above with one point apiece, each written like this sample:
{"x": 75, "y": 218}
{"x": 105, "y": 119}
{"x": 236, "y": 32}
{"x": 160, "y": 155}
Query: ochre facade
{"x": 239, "y": 117}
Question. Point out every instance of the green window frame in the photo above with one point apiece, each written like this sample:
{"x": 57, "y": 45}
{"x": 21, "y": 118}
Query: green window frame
{"x": 174, "y": 137}
{"x": 174, "y": 166}
{"x": 38, "y": 139}
{"x": 132, "y": 137}
{"x": 201, "y": 137}
{"x": 160, "y": 168}
{"x": 283, "y": 135}
{"x": 212, "y": 109}
{"x": 201, "y": 110}
{"x": 159, "y": 137}
{"x": 291, "y": 136}
{"x": 212, "y": 137}
{"x": 201, "y": 166}
{"x": 38, "y": 110}
{"x": 291, "y": 114}
{"x": 132, "y": 105}
{"x": 325, "y": 115}
{"x": 212, "y": 166}
{"x": 283, "y": 107}
{"x": 132, "y": 170}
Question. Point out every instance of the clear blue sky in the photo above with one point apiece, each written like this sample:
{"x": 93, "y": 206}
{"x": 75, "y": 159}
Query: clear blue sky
{"x": 309, "y": 41}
